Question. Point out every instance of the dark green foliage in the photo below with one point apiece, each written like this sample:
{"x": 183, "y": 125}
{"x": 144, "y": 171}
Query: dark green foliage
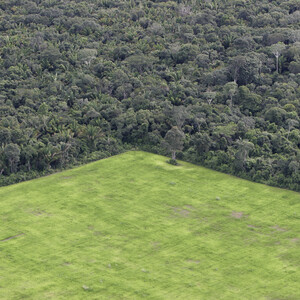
{"x": 81, "y": 80}
{"x": 173, "y": 162}
{"x": 12, "y": 154}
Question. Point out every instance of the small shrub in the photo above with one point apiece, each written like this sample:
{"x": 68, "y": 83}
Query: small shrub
{"x": 173, "y": 162}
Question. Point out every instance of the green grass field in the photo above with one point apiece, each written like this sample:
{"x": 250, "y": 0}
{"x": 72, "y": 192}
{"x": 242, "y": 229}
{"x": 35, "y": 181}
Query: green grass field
{"x": 134, "y": 227}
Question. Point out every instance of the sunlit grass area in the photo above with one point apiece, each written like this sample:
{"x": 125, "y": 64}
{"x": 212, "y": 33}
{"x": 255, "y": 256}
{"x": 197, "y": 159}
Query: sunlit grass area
{"x": 135, "y": 227}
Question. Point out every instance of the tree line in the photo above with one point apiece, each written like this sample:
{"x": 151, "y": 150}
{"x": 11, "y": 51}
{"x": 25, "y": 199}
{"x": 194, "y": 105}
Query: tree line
{"x": 214, "y": 82}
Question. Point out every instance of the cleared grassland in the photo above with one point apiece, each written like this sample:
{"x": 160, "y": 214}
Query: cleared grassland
{"x": 134, "y": 227}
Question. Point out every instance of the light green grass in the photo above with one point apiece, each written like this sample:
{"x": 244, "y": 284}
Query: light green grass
{"x": 134, "y": 227}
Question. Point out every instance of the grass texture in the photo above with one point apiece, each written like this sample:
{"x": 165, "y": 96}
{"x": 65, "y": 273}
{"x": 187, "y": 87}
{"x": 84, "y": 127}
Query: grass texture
{"x": 135, "y": 227}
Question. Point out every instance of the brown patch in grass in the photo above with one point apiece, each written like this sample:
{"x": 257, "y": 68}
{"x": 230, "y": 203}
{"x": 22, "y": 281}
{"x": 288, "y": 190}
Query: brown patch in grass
{"x": 38, "y": 212}
{"x": 193, "y": 261}
{"x": 97, "y": 233}
{"x": 277, "y": 228}
{"x": 295, "y": 240}
{"x": 252, "y": 226}
{"x": 189, "y": 207}
{"x": 50, "y": 295}
{"x": 181, "y": 212}
{"x": 237, "y": 214}
{"x": 155, "y": 245}
{"x": 12, "y": 237}
{"x": 66, "y": 177}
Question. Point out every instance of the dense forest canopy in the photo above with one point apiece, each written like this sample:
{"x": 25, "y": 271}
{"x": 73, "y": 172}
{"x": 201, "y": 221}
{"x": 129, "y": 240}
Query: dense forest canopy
{"x": 83, "y": 80}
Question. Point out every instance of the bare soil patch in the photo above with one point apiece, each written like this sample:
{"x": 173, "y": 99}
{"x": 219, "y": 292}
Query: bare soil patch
{"x": 190, "y": 207}
{"x": 181, "y": 212}
{"x": 252, "y": 226}
{"x": 277, "y": 228}
{"x": 193, "y": 261}
{"x": 155, "y": 245}
{"x": 39, "y": 212}
{"x": 97, "y": 233}
{"x": 237, "y": 214}
{"x": 295, "y": 240}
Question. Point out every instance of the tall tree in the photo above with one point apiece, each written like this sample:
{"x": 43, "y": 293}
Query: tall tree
{"x": 276, "y": 50}
{"x": 174, "y": 141}
{"x": 244, "y": 147}
{"x": 12, "y": 153}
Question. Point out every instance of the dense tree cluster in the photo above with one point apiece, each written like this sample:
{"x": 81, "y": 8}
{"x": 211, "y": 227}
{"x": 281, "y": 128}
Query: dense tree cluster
{"x": 83, "y": 80}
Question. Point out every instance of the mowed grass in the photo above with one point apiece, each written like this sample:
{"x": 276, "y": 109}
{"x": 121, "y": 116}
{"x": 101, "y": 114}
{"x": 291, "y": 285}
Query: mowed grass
{"x": 134, "y": 227}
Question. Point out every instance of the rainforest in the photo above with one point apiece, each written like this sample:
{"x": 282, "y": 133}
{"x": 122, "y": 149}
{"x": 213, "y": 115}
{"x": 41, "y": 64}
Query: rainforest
{"x": 85, "y": 80}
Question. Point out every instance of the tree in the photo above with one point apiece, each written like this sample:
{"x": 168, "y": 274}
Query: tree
{"x": 276, "y": 50}
{"x": 28, "y": 153}
{"x": 43, "y": 109}
{"x": 244, "y": 147}
{"x": 230, "y": 90}
{"x": 12, "y": 153}
{"x": 5, "y": 136}
{"x": 291, "y": 125}
{"x": 244, "y": 69}
{"x": 92, "y": 133}
{"x": 248, "y": 101}
{"x": 64, "y": 152}
{"x": 202, "y": 142}
{"x": 87, "y": 55}
{"x": 235, "y": 67}
{"x": 209, "y": 96}
{"x": 202, "y": 61}
{"x": 294, "y": 67}
{"x": 2, "y": 162}
{"x": 275, "y": 115}
{"x": 179, "y": 114}
{"x": 295, "y": 36}
{"x": 174, "y": 141}
{"x": 49, "y": 57}
{"x": 50, "y": 154}
{"x": 140, "y": 63}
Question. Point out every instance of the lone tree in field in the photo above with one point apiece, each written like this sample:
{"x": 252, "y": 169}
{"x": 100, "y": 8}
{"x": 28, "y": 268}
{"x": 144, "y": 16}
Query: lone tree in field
{"x": 174, "y": 141}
